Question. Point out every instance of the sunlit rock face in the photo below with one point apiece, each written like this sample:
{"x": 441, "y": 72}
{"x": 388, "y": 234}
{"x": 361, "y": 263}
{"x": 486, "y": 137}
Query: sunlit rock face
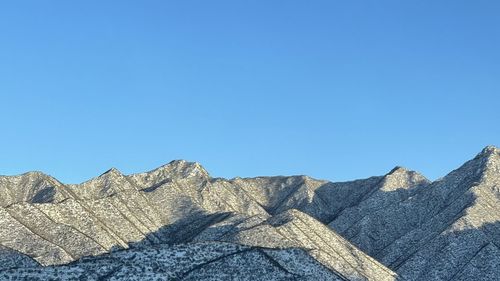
{"x": 178, "y": 223}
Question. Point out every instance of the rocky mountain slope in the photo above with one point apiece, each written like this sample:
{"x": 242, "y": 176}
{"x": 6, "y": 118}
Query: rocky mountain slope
{"x": 178, "y": 223}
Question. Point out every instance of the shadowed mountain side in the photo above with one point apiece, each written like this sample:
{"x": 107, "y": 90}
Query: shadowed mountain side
{"x": 289, "y": 230}
{"x": 397, "y": 186}
{"x": 110, "y": 212}
{"x": 176, "y": 258}
{"x": 430, "y": 235}
{"x": 114, "y": 211}
{"x": 63, "y": 232}
{"x": 31, "y": 187}
{"x": 191, "y": 261}
{"x": 298, "y": 230}
{"x": 310, "y": 249}
{"x": 456, "y": 258}
{"x": 465, "y": 254}
{"x": 13, "y": 259}
{"x": 325, "y": 200}
{"x": 441, "y": 247}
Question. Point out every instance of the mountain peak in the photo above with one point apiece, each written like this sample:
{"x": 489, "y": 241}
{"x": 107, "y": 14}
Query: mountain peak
{"x": 112, "y": 171}
{"x": 183, "y": 168}
{"x": 177, "y": 169}
{"x": 490, "y": 159}
{"x": 401, "y": 177}
{"x": 399, "y": 218}
{"x": 399, "y": 170}
{"x": 489, "y": 151}
{"x": 34, "y": 174}
{"x": 29, "y": 177}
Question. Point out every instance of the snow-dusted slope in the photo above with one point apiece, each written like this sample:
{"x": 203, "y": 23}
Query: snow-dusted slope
{"x": 396, "y": 226}
{"x": 191, "y": 261}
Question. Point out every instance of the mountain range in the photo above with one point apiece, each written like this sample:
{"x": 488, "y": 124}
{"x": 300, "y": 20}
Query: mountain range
{"x": 178, "y": 223}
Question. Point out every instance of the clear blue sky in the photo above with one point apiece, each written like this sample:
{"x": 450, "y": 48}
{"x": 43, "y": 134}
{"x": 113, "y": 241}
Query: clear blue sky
{"x": 333, "y": 89}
